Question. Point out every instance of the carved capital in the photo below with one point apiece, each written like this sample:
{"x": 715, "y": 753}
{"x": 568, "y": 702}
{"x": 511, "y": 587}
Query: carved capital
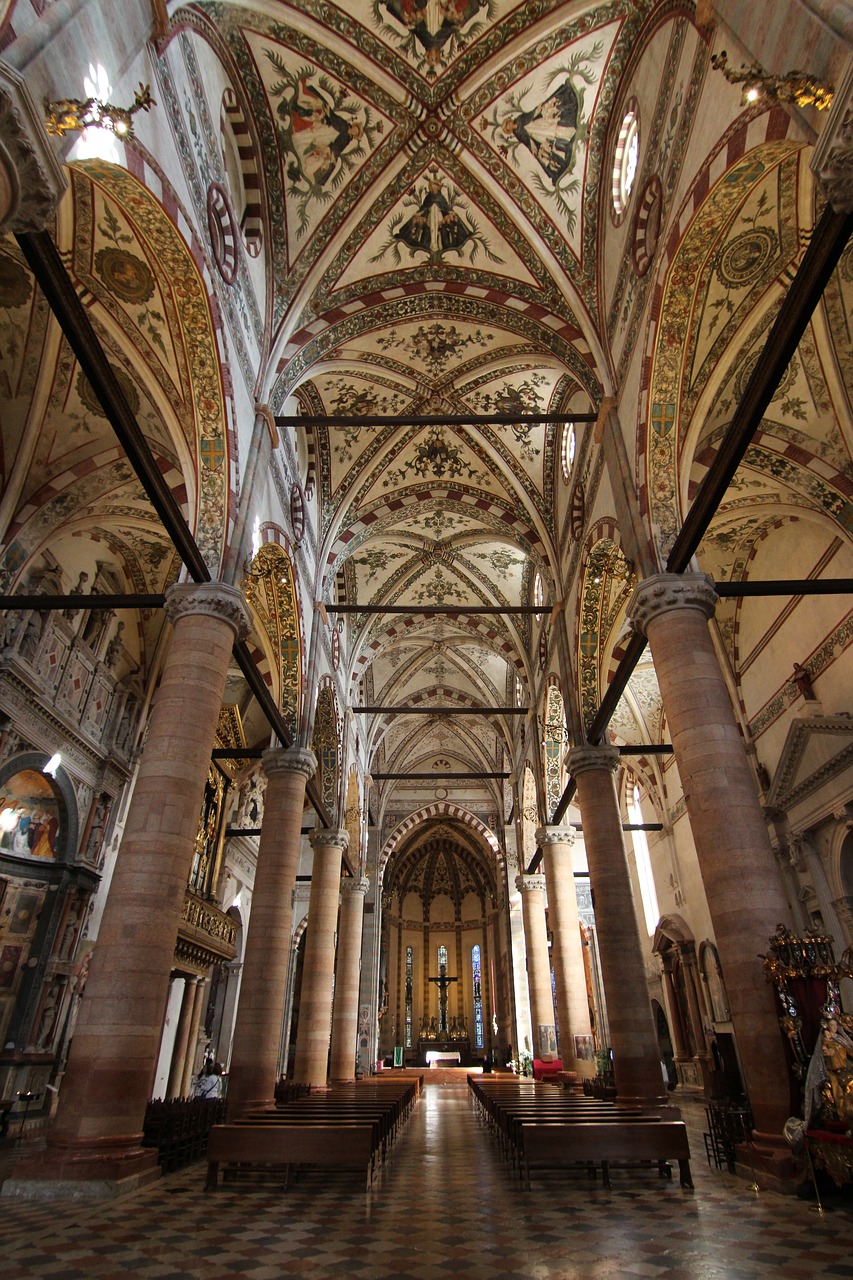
{"x": 289, "y": 760}
{"x": 530, "y": 884}
{"x": 832, "y": 159}
{"x": 211, "y": 599}
{"x": 554, "y": 835}
{"x": 351, "y": 886}
{"x": 329, "y": 838}
{"x": 665, "y": 591}
{"x": 583, "y": 759}
{"x": 31, "y": 178}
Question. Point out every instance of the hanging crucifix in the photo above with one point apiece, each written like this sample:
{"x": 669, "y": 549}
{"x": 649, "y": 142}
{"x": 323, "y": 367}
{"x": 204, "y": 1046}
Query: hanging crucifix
{"x": 442, "y": 982}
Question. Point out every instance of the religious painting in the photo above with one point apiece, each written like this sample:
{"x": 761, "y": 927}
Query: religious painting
{"x": 29, "y": 816}
{"x": 432, "y": 32}
{"x": 324, "y": 133}
{"x": 546, "y": 1040}
{"x": 543, "y": 133}
{"x": 435, "y": 221}
{"x": 584, "y": 1048}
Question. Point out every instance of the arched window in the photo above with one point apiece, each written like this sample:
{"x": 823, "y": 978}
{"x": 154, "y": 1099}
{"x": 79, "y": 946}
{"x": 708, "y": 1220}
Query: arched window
{"x": 625, "y": 161}
{"x": 644, "y": 863}
{"x": 409, "y": 965}
{"x": 478, "y": 997}
{"x": 538, "y": 591}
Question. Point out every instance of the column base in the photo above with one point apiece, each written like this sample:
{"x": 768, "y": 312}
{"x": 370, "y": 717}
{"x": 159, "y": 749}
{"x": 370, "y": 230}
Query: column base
{"x": 768, "y": 1162}
{"x": 95, "y": 1169}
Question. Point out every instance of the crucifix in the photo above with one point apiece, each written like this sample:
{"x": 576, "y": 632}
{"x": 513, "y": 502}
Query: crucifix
{"x": 442, "y": 982}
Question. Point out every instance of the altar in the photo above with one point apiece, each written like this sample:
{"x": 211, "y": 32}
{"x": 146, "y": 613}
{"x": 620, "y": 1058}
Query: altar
{"x": 443, "y": 1058}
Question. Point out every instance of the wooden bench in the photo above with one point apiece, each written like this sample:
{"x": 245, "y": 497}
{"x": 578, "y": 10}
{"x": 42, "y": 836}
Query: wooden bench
{"x": 281, "y": 1146}
{"x": 555, "y": 1145}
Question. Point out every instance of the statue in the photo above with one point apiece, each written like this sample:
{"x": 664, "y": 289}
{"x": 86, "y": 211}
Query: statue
{"x": 71, "y": 613}
{"x": 113, "y": 651}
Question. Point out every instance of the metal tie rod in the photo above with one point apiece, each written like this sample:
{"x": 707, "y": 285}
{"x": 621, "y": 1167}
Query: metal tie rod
{"x": 447, "y": 711}
{"x": 432, "y": 419}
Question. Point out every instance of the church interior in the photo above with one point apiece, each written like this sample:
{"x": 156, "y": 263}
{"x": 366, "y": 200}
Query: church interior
{"x": 426, "y": 546}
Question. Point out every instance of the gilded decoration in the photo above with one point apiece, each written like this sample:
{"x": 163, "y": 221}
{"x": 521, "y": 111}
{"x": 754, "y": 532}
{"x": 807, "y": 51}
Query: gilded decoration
{"x": 737, "y": 242}
{"x": 270, "y": 590}
{"x": 142, "y": 260}
{"x": 608, "y": 579}
{"x": 326, "y": 745}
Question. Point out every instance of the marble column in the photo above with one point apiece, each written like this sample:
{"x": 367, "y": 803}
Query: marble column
{"x": 347, "y": 978}
{"x": 114, "y": 1054}
{"x": 745, "y": 897}
{"x": 257, "y": 1029}
{"x": 566, "y": 949}
{"x": 532, "y": 890}
{"x": 633, "y": 1038}
{"x": 199, "y": 998}
{"x": 182, "y": 1039}
{"x": 676, "y": 1026}
{"x": 318, "y": 970}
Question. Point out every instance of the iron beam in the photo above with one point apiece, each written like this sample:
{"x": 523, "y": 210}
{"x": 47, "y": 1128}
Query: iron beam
{"x": 786, "y": 587}
{"x": 432, "y": 419}
{"x": 447, "y": 711}
{"x": 435, "y": 777}
{"x": 47, "y": 604}
{"x": 429, "y": 610}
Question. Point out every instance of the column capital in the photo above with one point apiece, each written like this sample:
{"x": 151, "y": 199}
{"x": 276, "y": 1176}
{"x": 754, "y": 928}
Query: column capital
{"x": 289, "y": 760}
{"x": 329, "y": 837}
{"x": 664, "y": 591}
{"x": 353, "y": 886}
{"x": 31, "y": 177}
{"x": 832, "y": 161}
{"x": 554, "y": 835}
{"x": 210, "y": 599}
{"x": 530, "y": 884}
{"x": 586, "y": 758}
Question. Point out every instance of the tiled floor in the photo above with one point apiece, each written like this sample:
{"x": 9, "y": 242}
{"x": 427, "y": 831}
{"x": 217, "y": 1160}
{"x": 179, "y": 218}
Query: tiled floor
{"x": 445, "y": 1205}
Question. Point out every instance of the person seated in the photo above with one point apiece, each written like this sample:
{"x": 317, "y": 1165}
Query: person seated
{"x": 208, "y": 1083}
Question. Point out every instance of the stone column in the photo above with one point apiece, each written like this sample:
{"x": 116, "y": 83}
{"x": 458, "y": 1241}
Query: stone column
{"x": 257, "y": 1030}
{"x": 532, "y": 890}
{"x": 182, "y": 1039}
{"x": 739, "y": 873}
{"x": 676, "y": 1026}
{"x": 347, "y": 978}
{"x": 318, "y": 970}
{"x": 636, "y": 1061}
{"x": 566, "y": 949}
{"x": 199, "y": 998}
{"x": 113, "y": 1057}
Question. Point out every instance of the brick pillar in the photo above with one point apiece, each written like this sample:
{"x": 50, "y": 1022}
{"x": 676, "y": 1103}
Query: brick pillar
{"x": 566, "y": 948}
{"x": 318, "y": 970}
{"x": 633, "y": 1038}
{"x": 347, "y": 978}
{"x": 745, "y": 897}
{"x": 532, "y": 889}
{"x": 116, "y": 1043}
{"x": 257, "y": 1030}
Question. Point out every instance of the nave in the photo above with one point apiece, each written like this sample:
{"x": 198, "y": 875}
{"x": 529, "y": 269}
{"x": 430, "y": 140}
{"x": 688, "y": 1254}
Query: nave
{"x": 445, "y": 1204}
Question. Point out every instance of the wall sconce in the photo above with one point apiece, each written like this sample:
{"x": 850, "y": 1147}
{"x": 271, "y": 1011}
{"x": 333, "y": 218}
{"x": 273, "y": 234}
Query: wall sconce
{"x": 70, "y": 115}
{"x": 795, "y": 86}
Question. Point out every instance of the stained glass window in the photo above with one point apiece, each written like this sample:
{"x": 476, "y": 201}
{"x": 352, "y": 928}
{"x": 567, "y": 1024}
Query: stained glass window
{"x": 478, "y": 998}
{"x": 409, "y": 964}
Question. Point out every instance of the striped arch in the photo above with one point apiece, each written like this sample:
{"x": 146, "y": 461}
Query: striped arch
{"x": 440, "y": 809}
{"x": 233, "y": 121}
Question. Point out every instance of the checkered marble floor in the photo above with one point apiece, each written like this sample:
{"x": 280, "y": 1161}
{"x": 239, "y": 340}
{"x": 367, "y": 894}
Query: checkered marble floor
{"x": 445, "y": 1203}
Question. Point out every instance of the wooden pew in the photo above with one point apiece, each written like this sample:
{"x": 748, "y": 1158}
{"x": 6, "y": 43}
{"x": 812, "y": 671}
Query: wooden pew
{"x": 557, "y": 1145}
{"x": 285, "y": 1146}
